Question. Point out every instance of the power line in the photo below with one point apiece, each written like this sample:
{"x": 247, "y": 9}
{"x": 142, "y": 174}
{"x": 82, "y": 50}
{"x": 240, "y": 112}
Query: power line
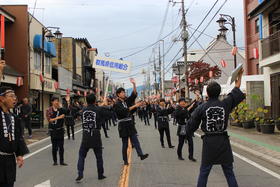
{"x": 139, "y": 51}
{"x": 208, "y": 23}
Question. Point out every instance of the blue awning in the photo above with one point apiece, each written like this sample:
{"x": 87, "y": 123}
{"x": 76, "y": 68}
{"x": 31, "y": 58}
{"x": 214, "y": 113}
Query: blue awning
{"x": 49, "y": 47}
{"x": 51, "y": 50}
{"x": 37, "y": 42}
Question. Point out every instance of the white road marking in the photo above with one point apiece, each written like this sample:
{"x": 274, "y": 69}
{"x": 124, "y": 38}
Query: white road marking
{"x": 260, "y": 167}
{"x": 44, "y": 184}
{"x": 44, "y": 148}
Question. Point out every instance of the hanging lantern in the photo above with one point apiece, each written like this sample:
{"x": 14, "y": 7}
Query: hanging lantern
{"x": 201, "y": 79}
{"x": 189, "y": 80}
{"x": 234, "y": 51}
{"x": 196, "y": 81}
{"x": 56, "y": 85}
{"x": 223, "y": 63}
{"x": 85, "y": 93}
{"x": 210, "y": 74}
{"x": 175, "y": 79}
{"x": 78, "y": 92}
{"x": 256, "y": 53}
{"x": 42, "y": 78}
{"x": 68, "y": 91}
{"x": 19, "y": 81}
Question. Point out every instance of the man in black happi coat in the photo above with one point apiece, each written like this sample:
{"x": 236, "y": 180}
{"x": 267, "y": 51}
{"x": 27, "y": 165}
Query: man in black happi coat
{"x": 124, "y": 108}
{"x": 214, "y": 116}
{"x": 12, "y": 146}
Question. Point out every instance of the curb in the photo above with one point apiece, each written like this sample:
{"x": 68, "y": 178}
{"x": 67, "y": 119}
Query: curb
{"x": 260, "y": 155}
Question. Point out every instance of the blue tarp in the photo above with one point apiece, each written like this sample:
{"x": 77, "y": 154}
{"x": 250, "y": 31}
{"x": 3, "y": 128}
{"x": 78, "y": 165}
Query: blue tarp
{"x": 49, "y": 47}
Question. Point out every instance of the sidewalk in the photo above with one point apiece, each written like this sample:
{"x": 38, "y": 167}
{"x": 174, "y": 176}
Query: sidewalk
{"x": 264, "y": 146}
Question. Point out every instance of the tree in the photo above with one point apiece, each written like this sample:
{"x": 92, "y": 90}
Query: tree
{"x": 200, "y": 74}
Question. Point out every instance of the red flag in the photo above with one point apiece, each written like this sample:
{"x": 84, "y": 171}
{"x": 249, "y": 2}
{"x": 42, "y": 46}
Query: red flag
{"x": 234, "y": 51}
{"x": 2, "y": 25}
{"x": 223, "y": 63}
{"x": 78, "y": 92}
{"x": 256, "y": 53}
{"x": 201, "y": 79}
{"x": 196, "y": 81}
{"x": 42, "y": 78}
{"x": 210, "y": 74}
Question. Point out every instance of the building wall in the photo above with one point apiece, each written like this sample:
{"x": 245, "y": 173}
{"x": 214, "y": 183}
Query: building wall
{"x": 78, "y": 59}
{"x": 251, "y": 38}
{"x": 16, "y": 53}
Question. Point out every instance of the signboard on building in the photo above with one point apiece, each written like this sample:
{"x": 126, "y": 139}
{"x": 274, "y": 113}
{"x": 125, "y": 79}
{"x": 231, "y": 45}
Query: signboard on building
{"x": 64, "y": 78}
{"x": 110, "y": 64}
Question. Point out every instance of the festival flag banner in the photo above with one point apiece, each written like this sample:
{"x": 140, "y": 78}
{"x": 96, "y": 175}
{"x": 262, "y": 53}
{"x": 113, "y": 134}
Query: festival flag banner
{"x": 19, "y": 81}
{"x": 110, "y": 64}
{"x": 256, "y": 53}
{"x": 42, "y": 78}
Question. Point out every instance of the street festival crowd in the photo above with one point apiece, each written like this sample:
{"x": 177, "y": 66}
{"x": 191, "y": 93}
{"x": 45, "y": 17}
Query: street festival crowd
{"x": 211, "y": 115}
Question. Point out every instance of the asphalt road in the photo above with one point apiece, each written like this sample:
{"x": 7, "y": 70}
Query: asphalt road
{"x": 161, "y": 169}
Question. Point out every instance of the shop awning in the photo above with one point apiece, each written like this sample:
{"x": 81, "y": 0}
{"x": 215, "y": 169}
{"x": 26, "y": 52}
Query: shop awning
{"x": 262, "y": 7}
{"x": 49, "y": 47}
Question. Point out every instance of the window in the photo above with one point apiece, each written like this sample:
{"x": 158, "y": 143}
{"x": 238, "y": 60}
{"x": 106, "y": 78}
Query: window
{"x": 48, "y": 65}
{"x": 257, "y": 25}
{"x": 37, "y": 60}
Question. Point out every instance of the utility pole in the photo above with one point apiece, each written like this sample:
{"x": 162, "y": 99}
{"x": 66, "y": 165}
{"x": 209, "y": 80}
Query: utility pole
{"x": 185, "y": 41}
{"x": 155, "y": 73}
{"x": 160, "y": 69}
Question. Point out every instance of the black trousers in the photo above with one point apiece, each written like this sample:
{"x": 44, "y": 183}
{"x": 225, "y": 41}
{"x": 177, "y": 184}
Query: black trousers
{"x": 155, "y": 120}
{"x": 146, "y": 119}
{"x": 70, "y": 127}
{"x": 167, "y": 133}
{"x": 58, "y": 146}
{"x": 7, "y": 184}
{"x": 27, "y": 125}
{"x": 104, "y": 129}
{"x": 99, "y": 160}
{"x": 135, "y": 142}
{"x": 181, "y": 144}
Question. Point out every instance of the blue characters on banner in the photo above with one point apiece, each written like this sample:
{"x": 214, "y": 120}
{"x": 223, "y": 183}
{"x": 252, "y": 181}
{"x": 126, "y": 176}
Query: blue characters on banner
{"x": 110, "y": 64}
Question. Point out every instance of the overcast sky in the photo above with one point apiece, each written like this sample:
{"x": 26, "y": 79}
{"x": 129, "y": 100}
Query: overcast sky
{"x": 122, "y": 27}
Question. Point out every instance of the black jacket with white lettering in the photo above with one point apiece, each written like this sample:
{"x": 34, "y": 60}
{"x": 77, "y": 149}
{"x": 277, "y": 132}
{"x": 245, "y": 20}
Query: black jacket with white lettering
{"x": 213, "y": 117}
{"x": 92, "y": 116}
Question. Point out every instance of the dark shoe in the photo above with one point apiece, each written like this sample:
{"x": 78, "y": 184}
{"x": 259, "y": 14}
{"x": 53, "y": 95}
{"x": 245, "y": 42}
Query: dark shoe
{"x": 143, "y": 157}
{"x": 181, "y": 158}
{"x": 73, "y": 138}
{"x": 63, "y": 164}
{"x": 162, "y": 146}
{"x": 101, "y": 177}
{"x": 125, "y": 163}
{"x": 69, "y": 138}
{"x": 79, "y": 179}
{"x": 192, "y": 159}
{"x": 55, "y": 164}
{"x": 171, "y": 146}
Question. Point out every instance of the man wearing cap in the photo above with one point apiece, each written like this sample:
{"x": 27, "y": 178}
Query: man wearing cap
{"x": 182, "y": 114}
{"x": 124, "y": 108}
{"x": 12, "y": 146}
{"x": 55, "y": 116}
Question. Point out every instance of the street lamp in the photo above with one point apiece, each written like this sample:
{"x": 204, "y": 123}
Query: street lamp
{"x": 46, "y": 32}
{"x": 227, "y": 19}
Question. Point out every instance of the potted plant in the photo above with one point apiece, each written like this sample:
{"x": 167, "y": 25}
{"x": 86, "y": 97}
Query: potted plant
{"x": 234, "y": 118}
{"x": 260, "y": 117}
{"x": 277, "y": 123}
{"x": 248, "y": 121}
{"x": 268, "y": 126}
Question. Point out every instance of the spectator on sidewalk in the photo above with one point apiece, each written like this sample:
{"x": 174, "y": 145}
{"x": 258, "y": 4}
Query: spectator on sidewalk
{"x": 26, "y": 110}
{"x": 69, "y": 118}
{"x": 213, "y": 117}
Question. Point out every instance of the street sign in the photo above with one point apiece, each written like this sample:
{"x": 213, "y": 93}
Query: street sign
{"x": 110, "y": 64}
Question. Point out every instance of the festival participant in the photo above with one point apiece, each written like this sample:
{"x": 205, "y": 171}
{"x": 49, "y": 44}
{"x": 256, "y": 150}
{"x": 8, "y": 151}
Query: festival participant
{"x": 124, "y": 109}
{"x": 213, "y": 118}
